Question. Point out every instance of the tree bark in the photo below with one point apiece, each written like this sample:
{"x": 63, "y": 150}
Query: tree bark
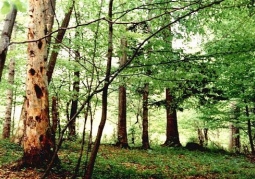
{"x": 172, "y": 134}
{"x": 37, "y": 138}
{"x": 58, "y": 41}
{"x": 122, "y": 121}
{"x": 74, "y": 105}
{"x": 6, "y": 36}
{"x": 145, "y": 133}
{"x": 249, "y": 130}
{"x": 8, "y": 112}
{"x": 234, "y": 144}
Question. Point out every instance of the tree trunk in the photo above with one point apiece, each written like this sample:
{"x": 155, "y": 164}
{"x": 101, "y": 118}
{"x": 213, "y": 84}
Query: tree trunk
{"x": 58, "y": 41}
{"x": 18, "y": 138}
{"x": 234, "y": 144}
{"x": 122, "y": 121}
{"x": 234, "y": 139}
{"x": 6, "y": 36}
{"x": 91, "y": 163}
{"x": 55, "y": 121}
{"x": 249, "y": 130}
{"x": 145, "y": 134}
{"x": 172, "y": 134}
{"x": 19, "y": 134}
{"x": 74, "y": 105}
{"x": 8, "y": 112}
{"x": 37, "y": 138}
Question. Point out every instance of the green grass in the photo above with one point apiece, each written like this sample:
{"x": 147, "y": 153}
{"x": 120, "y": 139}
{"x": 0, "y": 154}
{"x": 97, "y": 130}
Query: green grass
{"x": 158, "y": 163}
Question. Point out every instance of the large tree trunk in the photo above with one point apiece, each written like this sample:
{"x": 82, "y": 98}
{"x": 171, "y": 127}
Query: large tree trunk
{"x": 122, "y": 121}
{"x": 37, "y": 138}
{"x": 172, "y": 134}
{"x": 18, "y": 138}
{"x": 145, "y": 134}
{"x": 91, "y": 163}
{"x": 6, "y": 36}
{"x": 8, "y": 112}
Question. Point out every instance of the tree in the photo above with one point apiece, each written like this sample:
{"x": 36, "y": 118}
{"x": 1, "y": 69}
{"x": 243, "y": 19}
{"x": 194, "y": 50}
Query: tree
{"x": 37, "y": 139}
{"x": 6, "y": 37}
{"x": 145, "y": 133}
{"x": 172, "y": 134}
{"x": 122, "y": 117}
{"x": 8, "y": 112}
{"x": 90, "y": 167}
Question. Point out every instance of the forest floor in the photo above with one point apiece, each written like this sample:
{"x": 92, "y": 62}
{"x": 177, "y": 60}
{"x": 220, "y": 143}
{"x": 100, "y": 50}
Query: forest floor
{"x": 156, "y": 163}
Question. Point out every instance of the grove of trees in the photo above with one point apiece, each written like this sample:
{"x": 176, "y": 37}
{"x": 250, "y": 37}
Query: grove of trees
{"x": 66, "y": 64}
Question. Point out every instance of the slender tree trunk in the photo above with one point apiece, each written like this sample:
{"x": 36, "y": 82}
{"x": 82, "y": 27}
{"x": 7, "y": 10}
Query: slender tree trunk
{"x": 74, "y": 103}
{"x": 37, "y": 139}
{"x": 18, "y": 136}
{"x": 91, "y": 163}
{"x": 249, "y": 130}
{"x": 122, "y": 121}
{"x": 58, "y": 41}
{"x": 55, "y": 121}
{"x": 145, "y": 133}
{"x": 8, "y": 112}
{"x": 172, "y": 134}
{"x": 234, "y": 139}
{"x": 6, "y": 37}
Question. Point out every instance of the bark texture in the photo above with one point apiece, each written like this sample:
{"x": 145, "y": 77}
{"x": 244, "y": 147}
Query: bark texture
{"x": 122, "y": 117}
{"x": 9, "y": 95}
{"x": 172, "y": 134}
{"x": 145, "y": 133}
{"x": 56, "y": 46}
{"x": 37, "y": 137}
{"x": 6, "y": 36}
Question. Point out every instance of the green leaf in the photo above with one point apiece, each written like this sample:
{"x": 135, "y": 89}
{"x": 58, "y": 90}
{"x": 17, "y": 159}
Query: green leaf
{"x": 6, "y": 7}
{"x": 20, "y": 6}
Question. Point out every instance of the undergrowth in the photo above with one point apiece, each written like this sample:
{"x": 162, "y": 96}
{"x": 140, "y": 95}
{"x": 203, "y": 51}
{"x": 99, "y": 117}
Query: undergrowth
{"x": 157, "y": 163}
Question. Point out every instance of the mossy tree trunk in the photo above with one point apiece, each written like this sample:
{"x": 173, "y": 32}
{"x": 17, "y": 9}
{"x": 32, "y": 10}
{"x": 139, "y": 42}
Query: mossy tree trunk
{"x": 37, "y": 138}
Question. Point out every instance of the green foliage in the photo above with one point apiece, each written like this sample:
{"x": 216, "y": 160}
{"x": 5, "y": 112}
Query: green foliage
{"x": 7, "y": 5}
{"x": 9, "y": 152}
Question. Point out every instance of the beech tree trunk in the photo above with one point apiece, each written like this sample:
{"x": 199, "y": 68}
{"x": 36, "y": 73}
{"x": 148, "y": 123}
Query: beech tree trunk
{"x": 122, "y": 121}
{"x": 145, "y": 133}
{"x": 172, "y": 134}
{"x": 37, "y": 138}
{"x": 9, "y": 95}
{"x": 6, "y": 37}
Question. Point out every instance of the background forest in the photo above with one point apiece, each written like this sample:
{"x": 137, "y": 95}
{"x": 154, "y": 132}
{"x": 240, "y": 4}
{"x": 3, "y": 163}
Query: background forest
{"x": 144, "y": 74}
